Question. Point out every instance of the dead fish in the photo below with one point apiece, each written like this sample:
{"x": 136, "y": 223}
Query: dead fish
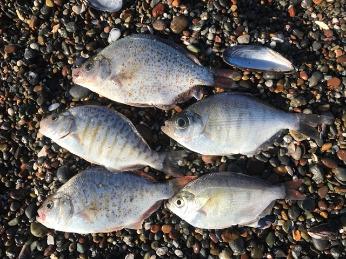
{"x": 100, "y": 201}
{"x": 236, "y": 123}
{"x": 221, "y": 200}
{"x": 105, "y": 137}
{"x": 144, "y": 70}
{"x": 106, "y": 5}
{"x": 257, "y": 58}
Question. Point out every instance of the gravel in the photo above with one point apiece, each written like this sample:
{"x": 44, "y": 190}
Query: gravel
{"x": 42, "y": 40}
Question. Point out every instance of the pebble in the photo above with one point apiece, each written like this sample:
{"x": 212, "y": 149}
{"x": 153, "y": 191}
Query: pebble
{"x": 315, "y": 78}
{"x": 161, "y": 251}
{"x": 341, "y": 154}
{"x": 63, "y": 174}
{"x": 30, "y": 211}
{"x": 333, "y": 83}
{"x": 10, "y": 48}
{"x": 244, "y": 39}
{"x": 114, "y": 35}
{"x": 340, "y": 173}
{"x": 79, "y": 92}
{"x": 166, "y": 229}
{"x": 328, "y": 162}
{"x": 158, "y": 10}
{"x": 179, "y": 23}
{"x": 53, "y": 106}
{"x": 38, "y": 230}
{"x": 159, "y": 25}
{"x": 322, "y": 191}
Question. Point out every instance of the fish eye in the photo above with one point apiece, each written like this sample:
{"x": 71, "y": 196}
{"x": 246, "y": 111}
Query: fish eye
{"x": 50, "y": 205}
{"x": 182, "y": 122}
{"x": 179, "y": 203}
{"x": 54, "y": 117}
{"x": 89, "y": 66}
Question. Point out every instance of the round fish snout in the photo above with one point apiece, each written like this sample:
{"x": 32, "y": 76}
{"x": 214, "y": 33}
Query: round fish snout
{"x": 76, "y": 72}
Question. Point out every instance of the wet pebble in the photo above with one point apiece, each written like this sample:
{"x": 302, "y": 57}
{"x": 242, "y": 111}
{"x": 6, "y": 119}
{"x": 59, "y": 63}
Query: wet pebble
{"x": 179, "y": 23}
{"x": 79, "y": 92}
{"x": 63, "y": 174}
{"x": 38, "y": 230}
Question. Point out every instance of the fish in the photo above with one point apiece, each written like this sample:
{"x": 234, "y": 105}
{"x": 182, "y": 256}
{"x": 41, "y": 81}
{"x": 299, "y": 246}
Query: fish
{"x": 99, "y": 201}
{"x": 258, "y": 58}
{"x": 237, "y": 123}
{"x": 143, "y": 70}
{"x": 106, "y": 137}
{"x": 106, "y": 5}
{"x": 224, "y": 199}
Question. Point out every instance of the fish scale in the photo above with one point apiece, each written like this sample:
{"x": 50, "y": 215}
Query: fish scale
{"x": 97, "y": 200}
{"x": 107, "y": 138}
{"x": 143, "y": 71}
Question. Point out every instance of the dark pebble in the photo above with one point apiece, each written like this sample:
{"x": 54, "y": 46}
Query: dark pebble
{"x": 63, "y": 174}
{"x": 179, "y": 23}
{"x": 320, "y": 244}
{"x": 30, "y": 211}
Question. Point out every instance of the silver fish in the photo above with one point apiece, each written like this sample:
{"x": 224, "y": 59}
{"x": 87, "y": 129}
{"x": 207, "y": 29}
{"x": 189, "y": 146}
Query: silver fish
{"x": 99, "y": 201}
{"x": 106, "y": 5}
{"x": 144, "y": 70}
{"x": 235, "y": 123}
{"x": 105, "y": 137}
{"x": 221, "y": 200}
{"x": 257, "y": 57}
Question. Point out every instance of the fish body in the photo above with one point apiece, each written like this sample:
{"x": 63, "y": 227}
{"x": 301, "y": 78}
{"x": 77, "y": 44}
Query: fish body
{"x": 99, "y": 201}
{"x": 106, "y": 5}
{"x": 235, "y": 123}
{"x": 142, "y": 70}
{"x": 103, "y": 137}
{"x": 220, "y": 200}
{"x": 257, "y": 58}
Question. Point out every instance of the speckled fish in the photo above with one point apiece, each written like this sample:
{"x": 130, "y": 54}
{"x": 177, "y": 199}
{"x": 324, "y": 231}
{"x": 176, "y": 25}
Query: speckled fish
{"x": 144, "y": 70}
{"x": 99, "y": 201}
{"x": 106, "y": 5}
{"x": 105, "y": 137}
{"x": 257, "y": 58}
{"x": 235, "y": 123}
{"x": 221, "y": 200}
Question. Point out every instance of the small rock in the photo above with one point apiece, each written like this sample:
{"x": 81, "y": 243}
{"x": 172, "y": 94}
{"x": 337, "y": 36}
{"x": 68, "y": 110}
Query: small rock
{"x": 38, "y": 230}
{"x": 308, "y": 204}
{"x": 315, "y": 78}
{"x": 13, "y": 222}
{"x": 50, "y": 240}
{"x": 341, "y": 154}
{"x": 78, "y": 9}
{"x": 303, "y": 75}
{"x": 79, "y": 92}
{"x": 326, "y": 146}
{"x": 30, "y": 211}
{"x": 166, "y": 229}
{"x": 155, "y": 228}
{"x": 179, "y": 23}
{"x": 158, "y": 10}
{"x": 49, "y": 3}
{"x": 225, "y": 254}
{"x": 161, "y": 251}
{"x": 53, "y": 106}
{"x": 340, "y": 173}
{"x": 296, "y": 235}
{"x": 291, "y": 11}
{"x": 63, "y": 174}
{"x": 333, "y": 83}
{"x": 71, "y": 27}
{"x": 322, "y": 192}
{"x": 159, "y": 25}
{"x": 328, "y": 162}
{"x": 10, "y": 48}
{"x": 243, "y": 39}
{"x": 114, "y": 34}
{"x": 80, "y": 248}
{"x": 178, "y": 253}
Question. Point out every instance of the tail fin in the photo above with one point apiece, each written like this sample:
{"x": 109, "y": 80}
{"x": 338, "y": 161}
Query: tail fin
{"x": 170, "y": 163}
{"x": 292, "y": 192}
{"x": 180, "y": 182}
{"x": 308, "y": 121}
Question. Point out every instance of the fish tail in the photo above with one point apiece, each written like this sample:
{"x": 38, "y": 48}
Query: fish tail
{"x": 292, "y": 192}
{"x": 223, "y": 79}
{"x": 170, "y": 163}
{"x": 307, "y": 122}
{"x": 178, "y": 183}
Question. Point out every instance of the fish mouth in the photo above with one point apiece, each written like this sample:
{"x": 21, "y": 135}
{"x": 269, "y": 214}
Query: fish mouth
{"x": 41, "y": 216}
{"x": 165, "y": 128}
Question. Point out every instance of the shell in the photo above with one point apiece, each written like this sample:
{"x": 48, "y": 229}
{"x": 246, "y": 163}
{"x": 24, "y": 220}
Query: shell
{"x": 106, "y": 5}
{"x": 257, "y": 58}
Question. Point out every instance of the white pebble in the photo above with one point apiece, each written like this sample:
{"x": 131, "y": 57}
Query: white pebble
{"x": 178, "y": 253}
{"x": 114, "y": 34}
{"x": 53, "y": 106}
{"x": 10, "y": 111}
{"x": 162, "y": 251}
{"x": 130, "y": 256}
{"x": 50, "y": 240}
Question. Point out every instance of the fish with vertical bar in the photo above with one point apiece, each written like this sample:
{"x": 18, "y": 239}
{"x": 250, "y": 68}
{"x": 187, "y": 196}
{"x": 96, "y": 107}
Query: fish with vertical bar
{"x": 106, "y": 137}
{"x": 99, "y": 201}
{"x": 237, "y": 123}
{"x": 223, "y": 199}
{"x": 145, "y": 70}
